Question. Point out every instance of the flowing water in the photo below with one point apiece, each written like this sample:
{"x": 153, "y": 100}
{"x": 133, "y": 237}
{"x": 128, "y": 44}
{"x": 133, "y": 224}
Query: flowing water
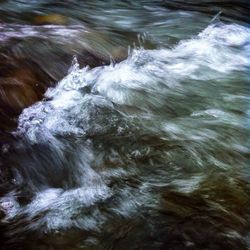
{"x": 141, "y": 139}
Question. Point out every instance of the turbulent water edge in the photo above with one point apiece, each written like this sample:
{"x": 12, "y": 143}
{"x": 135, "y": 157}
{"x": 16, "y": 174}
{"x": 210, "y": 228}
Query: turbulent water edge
{"x": 148, "y": 153}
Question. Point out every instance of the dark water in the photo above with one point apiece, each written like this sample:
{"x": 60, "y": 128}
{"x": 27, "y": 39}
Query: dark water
{"x": 124, "y": 125}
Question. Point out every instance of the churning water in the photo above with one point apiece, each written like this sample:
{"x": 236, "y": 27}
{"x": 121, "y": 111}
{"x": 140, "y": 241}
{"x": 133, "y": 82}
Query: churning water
{"x": 149, "y": 153}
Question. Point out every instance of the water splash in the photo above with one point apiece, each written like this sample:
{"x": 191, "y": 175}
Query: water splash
{"x": 127, "y": 151}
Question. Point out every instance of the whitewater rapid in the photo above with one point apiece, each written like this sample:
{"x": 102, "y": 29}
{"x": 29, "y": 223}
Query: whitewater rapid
{"x": 106, "y": 143}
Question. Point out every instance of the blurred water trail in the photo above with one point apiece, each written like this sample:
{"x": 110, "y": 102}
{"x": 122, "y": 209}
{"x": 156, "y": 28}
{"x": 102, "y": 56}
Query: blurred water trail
{"x": 140, "y": 148}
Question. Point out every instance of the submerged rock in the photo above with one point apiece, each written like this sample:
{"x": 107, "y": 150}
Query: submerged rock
{"x": 53, "y": 18}
{"x": 35, "y": 58}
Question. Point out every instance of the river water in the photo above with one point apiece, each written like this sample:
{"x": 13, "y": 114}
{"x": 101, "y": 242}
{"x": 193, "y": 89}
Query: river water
{"x": 125, "y": 125}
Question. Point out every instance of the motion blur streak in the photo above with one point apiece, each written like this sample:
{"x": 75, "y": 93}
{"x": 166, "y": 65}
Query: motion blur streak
{"x": 149, "y": 151}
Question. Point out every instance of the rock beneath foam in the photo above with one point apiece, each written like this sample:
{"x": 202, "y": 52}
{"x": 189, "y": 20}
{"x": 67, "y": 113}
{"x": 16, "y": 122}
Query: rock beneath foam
{"x": 52, "y": 18}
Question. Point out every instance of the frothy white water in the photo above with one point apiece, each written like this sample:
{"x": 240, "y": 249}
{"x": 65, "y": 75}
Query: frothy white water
{"x": 146, "y": 78}
{"x": 149, "y": 119}
{"x": 214, "y": 53}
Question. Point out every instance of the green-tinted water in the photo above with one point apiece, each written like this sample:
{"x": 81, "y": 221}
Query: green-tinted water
{"x": 141, "y": 140}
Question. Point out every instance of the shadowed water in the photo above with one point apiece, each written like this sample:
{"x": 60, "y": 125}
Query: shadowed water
{"x": 148, "y": 153}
